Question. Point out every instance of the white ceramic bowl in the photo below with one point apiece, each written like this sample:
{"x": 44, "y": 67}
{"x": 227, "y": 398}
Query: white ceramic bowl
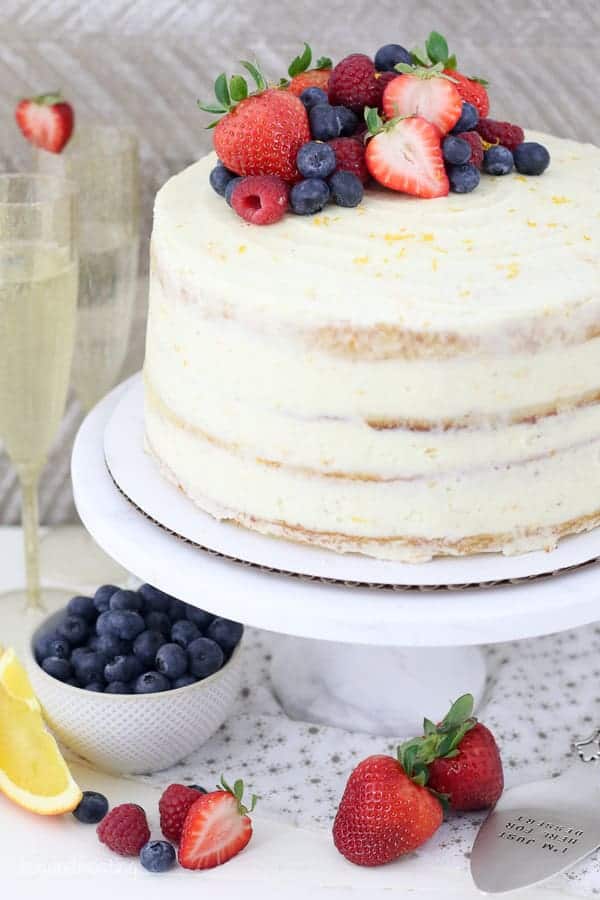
{"x": 134, "y": 733}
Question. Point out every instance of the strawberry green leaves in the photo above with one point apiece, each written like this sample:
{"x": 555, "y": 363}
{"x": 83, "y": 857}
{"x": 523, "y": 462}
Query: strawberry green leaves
{"x": 434, "y": 54}
{"x": 231, "y": 92}
{"x": 237, "y": 791}
{"x": 302, "y": 62}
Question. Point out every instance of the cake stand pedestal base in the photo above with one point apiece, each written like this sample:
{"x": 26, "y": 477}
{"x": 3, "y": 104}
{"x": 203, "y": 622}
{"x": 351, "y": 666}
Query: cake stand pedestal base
{"x": 379, "y": 690}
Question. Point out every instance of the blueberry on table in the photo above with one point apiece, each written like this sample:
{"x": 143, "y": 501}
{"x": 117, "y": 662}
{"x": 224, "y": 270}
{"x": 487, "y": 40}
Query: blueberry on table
{"x": 226, "y": 633}
{"x": 124, "y": 623}
{"x": 311, "y": 96}
{"x": 74, "y": 629}
{"x": 59, "y": 647}
{"x": 154, "y": 599}
{"x": 469, "y": 117}
{"x": 89, "y": 667}
{"x": 157, "y": 856}
{"x": 388, "y": 57}
{"x": 346, "y": 189}
{"x": 455, "y": 151}
{"x": 309, "y": 196}
{"x": 183, "y": 632}
{"x": 126, "y": 600}
{"x": 219, "y": 179}
{"x": 200, "y": 617}
{"x": 498, "y": 161}
{"x": 118, "y": 687}
{"x": 103, "y": 595}
{"x": 205, "y": 657}
{"x": 172, "y": 661}
{"x": 83, "y": 607}
{"x": 325, "y": 122}
{"x": 151, "y": 683}
{"x": 531, "y": 158}
{"x": 158, "y": 621}
{"x": 231, "y": 185}
{"x": 147, "y": 644}
{"x": 92, "y": 808}
{"x": 184, "y": 681}
{"x": 463, "y": 179}
{"x": 57, "y": 667}
{"x": 315, "y": 160}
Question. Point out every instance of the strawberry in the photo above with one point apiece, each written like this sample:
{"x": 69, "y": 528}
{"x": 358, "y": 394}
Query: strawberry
{"x": 350, "y": 156}
{"x": 383, "y": 79}
{"x": 426, "y": 93}
{"x": 461, "y": 758}
{"x": 354, "y": 83}
{"x": 471, "y": 89}
{"x": 302, "y": 76}
{"x": 217, "y": 827}
{"x": 504, "y": 133}
{"x": 173, "y": 807}
{"x": 406, "y": 155}
{"x": 383, "y": 813}
{"x": 260, "y": 133}
{"x": 472, "y": 138}
{"x": 46, "y": 121}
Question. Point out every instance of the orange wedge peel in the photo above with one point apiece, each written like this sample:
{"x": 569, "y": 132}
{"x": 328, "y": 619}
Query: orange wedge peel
{"x": 33, "y": 772}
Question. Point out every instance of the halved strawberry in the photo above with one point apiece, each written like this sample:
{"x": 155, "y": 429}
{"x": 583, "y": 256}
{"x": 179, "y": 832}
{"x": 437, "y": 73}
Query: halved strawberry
{"x": 46, "y": 121}
{"x": 406, "y": 155}
{"x": 431, "y": 96}
{"x": 217, "y": 827}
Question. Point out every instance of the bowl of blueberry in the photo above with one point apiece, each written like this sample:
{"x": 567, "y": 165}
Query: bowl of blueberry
{"x": 135, "y": 681}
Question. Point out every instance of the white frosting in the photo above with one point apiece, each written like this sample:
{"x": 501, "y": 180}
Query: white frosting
{"x": 271, "y": 349}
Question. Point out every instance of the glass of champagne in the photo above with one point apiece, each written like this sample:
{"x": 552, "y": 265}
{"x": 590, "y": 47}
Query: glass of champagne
{"x": 38, "y": 302}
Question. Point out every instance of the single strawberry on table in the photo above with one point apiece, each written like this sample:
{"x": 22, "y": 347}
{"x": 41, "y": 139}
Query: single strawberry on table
{"x": 405, "y": 155}
{"x": 259, "y": 133}
{"x": 302, "y": 76}
{"x": 46, "y": 121}
{"x": 217, "y": 827}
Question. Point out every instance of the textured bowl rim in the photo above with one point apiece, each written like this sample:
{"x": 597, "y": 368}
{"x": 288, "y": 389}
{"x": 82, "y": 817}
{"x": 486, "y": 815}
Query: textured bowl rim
{"x": 198, "y": 685}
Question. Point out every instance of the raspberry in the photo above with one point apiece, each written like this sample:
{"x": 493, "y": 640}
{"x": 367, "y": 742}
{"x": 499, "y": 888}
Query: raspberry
{"x": 472, "y": 138}
{"x": 173, "y": 807}
{"x": 350, "y": 157}
{"x": 353, "y": 83}
{"x": 124, "y": 829}
{"x": 383, "y": 79}
{"x": 504, "y": 133}
{"x": 260, "y": 199}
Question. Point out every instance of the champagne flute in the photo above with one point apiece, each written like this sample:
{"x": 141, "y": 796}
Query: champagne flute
{"x": 38, "y": 301}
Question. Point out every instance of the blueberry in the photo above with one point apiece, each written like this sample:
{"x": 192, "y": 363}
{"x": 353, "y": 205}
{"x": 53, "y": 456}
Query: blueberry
{"x": 96, "y": 686}
{"x": 177, "y": 609}
{"x": 226, "y": 633}
{"x": 205, "y": 657}
{"x": 92, "y": 808}
{"x": 311, "y": 96}
{"x": 184, "y": 632}
{"x": 309, "y": 196}
{"x": 41, "y": 647}
{"x": 74, "y": 629}
{"x": 126, "y": 600}
{"x": 157, "y": 856}
{"x": 58, "y": 667}
{"x": 73, "y": 682}
{"x": 463, "y": 179}
{"x": 124, "y": 623}
{"x": 59, "y": 647}
{"x": 184, "y": 681}
{"x": 89, "y": 667}
{"x": 531, "y": 158}
{"x": 469, "y": 118}
{"x": 118, "y": 687}
{"x": 346, "y": 188}
{"x": 102, "y": 623}
{"x": 82, "y": 607}
{"x": 155, "y": 599}
{"x": 172, "y": 660}
{"x": 348, "y": 121}
{"x": 158, "y": 621}
{"x": 109, "y": 645}
{"x": 497, "y": 161}
{"x": 315, "y": 160}
{"x": 199, "y": 617}
{"x": 230, "y": 188}
{"x": 388, "y": 57}
{"x": 78, "y": 653}
{"x": 146, "y": 646}
{"x": 455, "y": 151}
{"x": 123, "y": 668}
{"x": 325, "y": 122}
{"x": 219, "y": 178}
{"x": 103, "y": 595}
{"x": 151, "y": 683}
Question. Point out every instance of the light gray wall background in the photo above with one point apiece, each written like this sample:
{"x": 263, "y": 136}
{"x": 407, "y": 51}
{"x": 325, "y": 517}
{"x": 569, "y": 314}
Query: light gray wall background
{"x": 144, "y": 63}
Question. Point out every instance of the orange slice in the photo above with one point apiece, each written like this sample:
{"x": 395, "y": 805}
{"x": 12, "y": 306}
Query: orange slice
{"x": 15, "y": 681}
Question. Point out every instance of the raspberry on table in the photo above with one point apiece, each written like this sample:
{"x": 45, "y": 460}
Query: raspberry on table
{"x": 124, "y": 829}
{"x": 173, "y": 807}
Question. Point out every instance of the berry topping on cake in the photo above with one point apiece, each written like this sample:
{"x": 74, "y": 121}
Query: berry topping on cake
{"x": 388, "y": 57}
{"x": 124, "y": 829}
{"x": 260, "y": 199}
{"x": 474, "y": 141}
{"x": 350, "y": 157}
{"x": 383, "y": 79}
{"x": 353, "y": 83}
{"x": 427, "y": 93}
{"x": 309, "y": 196}
{"x": 220, "y": 178}
{"x": 469, "y": 118}
{"x": 498, "y": 160}
{"x": 217, "y": 827}
{"x": 46, "y": 121}
{"x": 472, "y": 90}
{"x": 504, "y": 133}
{"x": 456, "y": 151}
{"x": 311, "y": 96}
{"x": 316, "y": 160}
{"x": 405, "y": 155}
{"x": 531, "y": 158}
{"x": 463, "y": 179}
{"x": 346, "y": 189}
{"x": 303, "y": 77}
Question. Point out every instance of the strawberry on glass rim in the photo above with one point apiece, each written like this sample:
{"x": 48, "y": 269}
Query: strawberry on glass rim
{"x": 46, "y": 121}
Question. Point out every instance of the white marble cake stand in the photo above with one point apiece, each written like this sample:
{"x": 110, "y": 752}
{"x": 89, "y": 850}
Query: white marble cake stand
{"x": 376, "y": 659}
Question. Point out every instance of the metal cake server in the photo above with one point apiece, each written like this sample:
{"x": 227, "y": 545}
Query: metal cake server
{"x": 539, "y": 829}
